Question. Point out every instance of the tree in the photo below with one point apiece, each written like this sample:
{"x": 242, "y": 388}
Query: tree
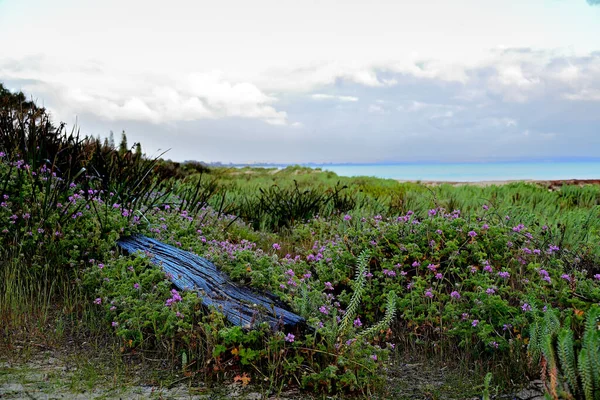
{"x": 123, "y": 148}
{"x": 111, "y": 140}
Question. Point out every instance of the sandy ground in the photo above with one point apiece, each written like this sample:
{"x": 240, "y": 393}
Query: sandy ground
{"x": 551, "y": 184}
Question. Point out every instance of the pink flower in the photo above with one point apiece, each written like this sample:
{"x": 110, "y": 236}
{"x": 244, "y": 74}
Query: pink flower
{"x": 136, "y": 285}
{"x": 290, "y": 338}
{"x": 98, "y": 301}
{"x": 455, "y": 295}
{"x": 100, "y": 266}
{"x": 328, "y": 286}
{"x": 115, "y": 324}
{"x": 357, "y": 323}
{"x": 276, "y": 246}
{"x": 475, "y": 323}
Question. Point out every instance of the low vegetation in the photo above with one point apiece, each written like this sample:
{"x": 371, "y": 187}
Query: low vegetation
{"x": 499, "y": 279}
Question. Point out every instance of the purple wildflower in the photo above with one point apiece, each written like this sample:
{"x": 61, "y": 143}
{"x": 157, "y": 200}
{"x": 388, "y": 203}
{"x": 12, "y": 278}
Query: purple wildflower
{"x": 290, "y": 338}
{"x": 504, "y": 274}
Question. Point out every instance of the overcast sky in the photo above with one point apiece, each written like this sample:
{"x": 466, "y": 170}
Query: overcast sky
{"x": 320, "y": 81}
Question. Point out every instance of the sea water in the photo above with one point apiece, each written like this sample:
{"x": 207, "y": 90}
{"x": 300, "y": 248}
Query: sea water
{"x": 472, "y": 172}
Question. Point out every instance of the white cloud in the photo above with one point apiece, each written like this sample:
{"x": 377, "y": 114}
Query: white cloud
{"x": 502, "y": 122}
{"x": 416, "y": 106}
{"x": 115, "y": 95}
{"x": 446, "y": 114}
{"x": 376, "y": 109}
{"x": 322, "y": 96}
{"x": 584, "y": 95}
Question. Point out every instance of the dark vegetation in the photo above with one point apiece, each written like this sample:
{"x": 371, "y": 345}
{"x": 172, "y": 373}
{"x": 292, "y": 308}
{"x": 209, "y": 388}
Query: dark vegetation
{"x": 499, "y": 279}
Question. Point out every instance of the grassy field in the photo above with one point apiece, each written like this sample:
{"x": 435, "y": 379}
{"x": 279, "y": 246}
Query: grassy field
{"x": 409, "y": 290}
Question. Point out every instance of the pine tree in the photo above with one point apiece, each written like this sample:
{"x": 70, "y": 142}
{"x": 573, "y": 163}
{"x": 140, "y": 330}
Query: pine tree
{"x": 123, "y": 148}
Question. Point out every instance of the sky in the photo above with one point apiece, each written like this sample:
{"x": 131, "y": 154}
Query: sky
{"x": 316, "y": 81}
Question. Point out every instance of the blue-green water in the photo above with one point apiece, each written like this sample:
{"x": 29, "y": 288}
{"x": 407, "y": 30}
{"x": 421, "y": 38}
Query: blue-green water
{"x": 472, "y": 172}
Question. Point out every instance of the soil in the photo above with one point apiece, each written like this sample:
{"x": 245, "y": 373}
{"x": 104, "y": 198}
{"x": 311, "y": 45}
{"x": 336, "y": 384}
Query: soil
{"x": 95, "y": 373}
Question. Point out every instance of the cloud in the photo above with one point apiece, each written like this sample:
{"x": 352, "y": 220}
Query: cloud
{"x": 418, "y": 106}
{"x": 584, "y": 95}
{"x": 321, "y": 96}
{"x": 376, "y": 109}
{"x": 116, "y": 95}
{"x": 593, "y": 2}
{"x": 516, "y": 103}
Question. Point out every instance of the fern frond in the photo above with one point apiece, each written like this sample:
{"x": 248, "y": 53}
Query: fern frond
{"x": 551, "y": 323}
{"x": 390, "y": 313}
{"x": 591, "y": 342}
{"x": 534, "y": 342}
{"x": 359, "y": 285}
{"x": 585, "y": 373}
{"x": 566, "y": 356}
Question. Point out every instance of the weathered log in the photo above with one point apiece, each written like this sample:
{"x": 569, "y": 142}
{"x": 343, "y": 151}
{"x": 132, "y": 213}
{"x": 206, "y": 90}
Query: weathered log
{"x": 242, "y": 306}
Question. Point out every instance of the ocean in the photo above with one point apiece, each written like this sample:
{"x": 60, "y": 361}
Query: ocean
{"x": 472, "y": 172}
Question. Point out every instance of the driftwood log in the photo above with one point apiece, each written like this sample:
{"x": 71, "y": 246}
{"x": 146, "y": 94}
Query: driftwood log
{"x": 242, "y": 306}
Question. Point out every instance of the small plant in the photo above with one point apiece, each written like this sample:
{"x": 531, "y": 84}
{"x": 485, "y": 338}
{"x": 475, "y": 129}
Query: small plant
{"x": 570, "y": 368}
{"x": 486, "y": 386}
